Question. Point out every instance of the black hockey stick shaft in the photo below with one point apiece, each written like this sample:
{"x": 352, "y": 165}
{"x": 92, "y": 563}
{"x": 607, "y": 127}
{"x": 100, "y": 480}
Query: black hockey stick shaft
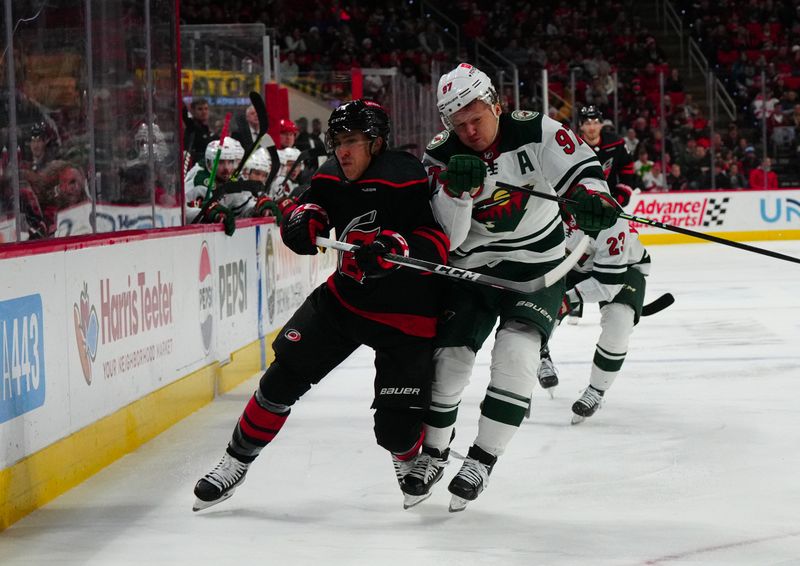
{"x": 658, "y": 304}
{"x": 546, "y": 280}
{"x": 263, "y": 125}
{"x": 657, "y": 224}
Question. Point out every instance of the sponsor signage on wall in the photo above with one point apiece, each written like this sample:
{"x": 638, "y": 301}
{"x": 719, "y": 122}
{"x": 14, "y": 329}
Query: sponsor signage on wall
{"x": 22, "y": 364}
{"x": 719, "y": 211}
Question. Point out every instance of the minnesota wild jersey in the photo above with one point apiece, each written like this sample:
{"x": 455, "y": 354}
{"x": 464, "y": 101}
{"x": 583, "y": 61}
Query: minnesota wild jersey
{"x": 496, "y": 224}
{"x": 610, "y": 254}
{"x": 195, "y": 184}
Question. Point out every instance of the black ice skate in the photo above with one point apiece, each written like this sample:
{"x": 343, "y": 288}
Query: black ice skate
{"x": 220, "y": 483}
{"x": 472, "y": 478}
{"x": 401, "y": 468}
{"x": 587, "y": 405}
{"x": 427, "y": 470}
{"x": 548, "y": 377}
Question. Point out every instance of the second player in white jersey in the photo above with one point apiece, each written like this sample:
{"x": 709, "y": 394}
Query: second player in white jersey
{"x": 611, "y": 273}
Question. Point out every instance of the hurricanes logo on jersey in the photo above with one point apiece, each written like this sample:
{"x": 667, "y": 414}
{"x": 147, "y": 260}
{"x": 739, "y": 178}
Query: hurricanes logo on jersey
{"x": 501, "y": 211}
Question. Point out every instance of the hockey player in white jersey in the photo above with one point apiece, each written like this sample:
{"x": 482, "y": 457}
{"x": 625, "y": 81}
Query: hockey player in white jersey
{"x": 199, "y": 177}
{"x": 249, "y": 197}
{"x": 611, "y": 273}
{"x": 509, "y": 234}
{"x": 285, "y": 183}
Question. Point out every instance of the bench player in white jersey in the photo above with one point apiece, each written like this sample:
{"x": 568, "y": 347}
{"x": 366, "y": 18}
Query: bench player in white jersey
{"x": 611, "y": 273}
{"x": 509, "y": 234}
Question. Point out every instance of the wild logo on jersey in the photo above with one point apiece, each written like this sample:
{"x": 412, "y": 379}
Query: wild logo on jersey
{"x": 501, "y": 211}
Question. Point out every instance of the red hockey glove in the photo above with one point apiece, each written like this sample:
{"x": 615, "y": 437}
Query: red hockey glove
{"x": 300, "y": 230}
{"x": 369, "y": 258}
{"x": 622, "y": 193}
{"x": 218, "y": 213}
{"x": 465, "y": 173}
{"x": 593, "y": 211}
{"x": 572, "y": 301}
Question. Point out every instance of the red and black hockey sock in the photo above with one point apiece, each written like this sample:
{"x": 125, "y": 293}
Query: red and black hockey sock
{"x": 256, "y": 428}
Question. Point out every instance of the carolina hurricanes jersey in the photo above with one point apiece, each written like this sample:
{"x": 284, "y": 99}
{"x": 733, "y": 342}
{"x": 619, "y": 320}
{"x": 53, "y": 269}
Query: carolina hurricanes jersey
{"x": 531, "y": 150}
{"x": 392, "y": 194}
{"x": 617, "y": 163}
{"x": 609, "y": 255}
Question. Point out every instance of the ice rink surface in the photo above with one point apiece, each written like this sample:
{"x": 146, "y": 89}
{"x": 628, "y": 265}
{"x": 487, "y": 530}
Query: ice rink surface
{"x": 695, "y": 458}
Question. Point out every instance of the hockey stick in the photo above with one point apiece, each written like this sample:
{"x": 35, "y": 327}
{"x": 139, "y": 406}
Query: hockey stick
{"x": 263, "y": 125}
{"x": 658, "y": 305}
{"x": 212, "y": 178}
{"x": 546, "y": 280}
{"x": 190, "y": 129}
{"x": 657, "y": 224}
{"x": 305, "y": 154}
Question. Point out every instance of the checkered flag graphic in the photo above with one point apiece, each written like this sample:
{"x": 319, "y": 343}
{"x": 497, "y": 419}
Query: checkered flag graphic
{"x": 715, "y": 211}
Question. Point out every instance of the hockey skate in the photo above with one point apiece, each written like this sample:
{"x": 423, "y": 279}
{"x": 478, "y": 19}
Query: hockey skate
{"x": 575, "y": 316}
{"x": 220, "y": 483}
{"x": 401, "y": 468}
{"x": 587, "y": 404}
{"x": 471, "y": 479}
{"x": 427, "y": 470}
{"x": 548, "y": 376}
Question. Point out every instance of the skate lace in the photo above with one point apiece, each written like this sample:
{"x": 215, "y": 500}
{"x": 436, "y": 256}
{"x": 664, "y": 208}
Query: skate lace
{"x": 424, "y": 468}
{"x": 590, "y": 397}
{"x": 227, "y": 472}
{"x": 401, "y": 467}
{"x": 547, "y": 368}
{"x": 474, "y": 472}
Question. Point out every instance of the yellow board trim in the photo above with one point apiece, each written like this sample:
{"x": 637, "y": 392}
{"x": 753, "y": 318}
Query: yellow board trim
{"x": 41, "y": 477}
{"x": 672, "y": 238}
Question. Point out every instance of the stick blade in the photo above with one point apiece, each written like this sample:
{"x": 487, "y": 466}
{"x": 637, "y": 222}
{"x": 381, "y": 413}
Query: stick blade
{"x": 261, "y": 111}
{"x": 658, "y": 305}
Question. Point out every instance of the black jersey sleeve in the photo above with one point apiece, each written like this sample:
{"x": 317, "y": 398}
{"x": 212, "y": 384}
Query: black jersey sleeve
{"x": 413, "y": 216}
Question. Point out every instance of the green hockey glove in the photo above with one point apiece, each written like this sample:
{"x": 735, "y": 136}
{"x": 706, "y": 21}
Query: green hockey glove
{"x": 218, "y": 213}
{"x": 265, "y": 206}
{"x": 572, "y": 301}
{"x": 593, "y": 211}
{"x": 465, "y": 173}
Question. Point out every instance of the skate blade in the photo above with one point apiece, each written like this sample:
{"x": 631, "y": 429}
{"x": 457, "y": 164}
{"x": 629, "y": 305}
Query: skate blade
{"x": 551, "y": 392}
{"x": 413, "y": 500}
{"x": 199, "y": 504}
{"x": 457, "y": 504}
{"x": 577, "y": 419}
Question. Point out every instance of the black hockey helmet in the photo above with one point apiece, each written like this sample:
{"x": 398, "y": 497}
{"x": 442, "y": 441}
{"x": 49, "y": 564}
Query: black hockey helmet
{"x": 39, "y": 130}
{"x": 590, "y": 112}
{"x": 358, "y": 116}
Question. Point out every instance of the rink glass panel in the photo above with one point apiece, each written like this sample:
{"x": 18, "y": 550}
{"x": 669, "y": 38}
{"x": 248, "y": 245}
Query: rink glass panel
{"x": 96, "y": 82}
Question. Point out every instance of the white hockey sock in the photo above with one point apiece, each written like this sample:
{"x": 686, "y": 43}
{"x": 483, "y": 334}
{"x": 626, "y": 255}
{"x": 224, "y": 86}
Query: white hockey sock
{"x": 515, "y": 362}
{"x": 617, "y": 324}
{"x": 453, "y": 370}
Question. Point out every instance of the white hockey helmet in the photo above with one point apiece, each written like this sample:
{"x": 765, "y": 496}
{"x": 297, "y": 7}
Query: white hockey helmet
{"x": 288, "y": 155}
{"x": 461, "y": 86}
{"x": 259, "y": 161}
{"x": 160, "y": 151}
{"x": 232, "y": 150}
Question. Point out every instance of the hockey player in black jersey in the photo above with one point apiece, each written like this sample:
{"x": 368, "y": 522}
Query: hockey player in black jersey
{"x": 379, "y": 200}
{"x": 610, "y": 148}
{"x": 617, "y": 166}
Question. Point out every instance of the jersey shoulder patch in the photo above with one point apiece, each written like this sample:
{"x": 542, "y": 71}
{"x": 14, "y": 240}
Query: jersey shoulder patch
{"x": 524, "y": 115}
{"x": 438, "y": 139}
